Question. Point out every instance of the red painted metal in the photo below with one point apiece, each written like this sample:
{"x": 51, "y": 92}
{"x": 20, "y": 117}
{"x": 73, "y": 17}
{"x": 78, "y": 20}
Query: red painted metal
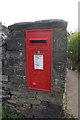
{"x": 39, "y": 59}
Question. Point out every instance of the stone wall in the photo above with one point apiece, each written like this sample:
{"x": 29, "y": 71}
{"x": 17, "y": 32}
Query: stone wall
{"x": 16, "y": 96}
{"x": 0, "y": 71}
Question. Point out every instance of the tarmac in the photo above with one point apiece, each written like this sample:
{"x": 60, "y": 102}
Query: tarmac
{"x": 72, "y": 93}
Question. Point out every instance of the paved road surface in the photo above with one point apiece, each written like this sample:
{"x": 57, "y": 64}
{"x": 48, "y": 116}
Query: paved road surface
{"x": 72, "y": 92}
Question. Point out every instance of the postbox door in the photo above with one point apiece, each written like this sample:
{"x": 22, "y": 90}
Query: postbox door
{"x": 39, "y": 59}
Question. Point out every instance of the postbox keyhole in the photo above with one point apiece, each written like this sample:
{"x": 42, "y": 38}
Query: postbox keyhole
{"x": 38, "y": 51}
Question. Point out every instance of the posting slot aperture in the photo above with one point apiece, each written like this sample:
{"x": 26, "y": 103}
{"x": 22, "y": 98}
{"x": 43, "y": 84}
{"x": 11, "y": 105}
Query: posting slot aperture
{"x": 38, "y": 41}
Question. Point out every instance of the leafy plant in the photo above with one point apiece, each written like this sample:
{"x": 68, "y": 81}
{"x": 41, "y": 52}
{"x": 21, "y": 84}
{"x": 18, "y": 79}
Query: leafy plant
{"x": 6, "y": 113}
{"x": 74, "y": 48}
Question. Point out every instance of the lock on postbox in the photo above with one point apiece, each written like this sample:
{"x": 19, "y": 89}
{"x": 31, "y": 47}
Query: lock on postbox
{"x": 39, "y": 59}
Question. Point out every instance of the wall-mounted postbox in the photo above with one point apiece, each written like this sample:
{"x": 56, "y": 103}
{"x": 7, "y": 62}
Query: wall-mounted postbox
{"x": 39, "y": 59}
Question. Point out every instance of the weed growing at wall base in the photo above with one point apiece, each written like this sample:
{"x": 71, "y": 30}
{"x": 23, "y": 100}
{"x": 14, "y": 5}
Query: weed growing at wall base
{"x": 7, "y": 114}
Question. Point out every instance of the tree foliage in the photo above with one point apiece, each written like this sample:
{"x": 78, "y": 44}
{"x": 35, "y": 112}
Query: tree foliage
{"x": 74, "y": 47}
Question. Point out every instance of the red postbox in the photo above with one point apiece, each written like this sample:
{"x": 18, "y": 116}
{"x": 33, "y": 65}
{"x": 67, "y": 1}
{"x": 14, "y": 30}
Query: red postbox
{"x": 39, "y": 59}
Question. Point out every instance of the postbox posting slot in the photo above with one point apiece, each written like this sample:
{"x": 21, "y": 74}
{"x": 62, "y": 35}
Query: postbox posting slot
{"x": 38, "y": 41}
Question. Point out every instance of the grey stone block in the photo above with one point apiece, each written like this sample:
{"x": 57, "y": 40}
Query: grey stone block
{"x": 15, "y": 63}
{"x": 21, "y": 71}
{"x": 0, "y": 70}
{"x": 3, "y": 52}
{"x": 16, "y": 93}
{"x": 25, "y": 110}
{"x": 59, "y": 67}
{"x": 3, "y": 42}
{"x": 31, "y": 101}
{"x": 16, "y": 55}
{"x": 12, "y": 101}
{"x": 14, "y": 87}
{"x": 3, "y": 56}
{"x": 45, "y": 112}
{"x": 58, "y": 81}
{"x": 5, "y": 78}
{"x": 0, "y": 50}
{"x": 0, "y": 57}
{"x": 0, "y": 78}
{"x": 15, "y": 58}
{"x": 59, "y": 40}
{"x": 6, "y": 87}
{"x": 50, "y": 97}
{"x": 0, "y": 63}
{"x": 7, "y": 71}
{"x": 14, "y": 70}
{"x": 15, "y": 44}
{"x": 17, "y": 79}
{"x": 0, "y": 42}
{"x": 3, "y": 49}
{"x": 59, "y": 56}
{"x": 27, "y": 93}
{"x": 0, "y": 86}
{"x": 5, "y": 97}
{"x": 5, "y": 63}
{"x": 0, "y": 92}
{"x": 17, "y": 34}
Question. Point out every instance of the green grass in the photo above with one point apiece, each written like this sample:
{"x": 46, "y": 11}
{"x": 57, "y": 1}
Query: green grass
{"x": 6, "y": 113}
{"x": 0, "y": 112}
